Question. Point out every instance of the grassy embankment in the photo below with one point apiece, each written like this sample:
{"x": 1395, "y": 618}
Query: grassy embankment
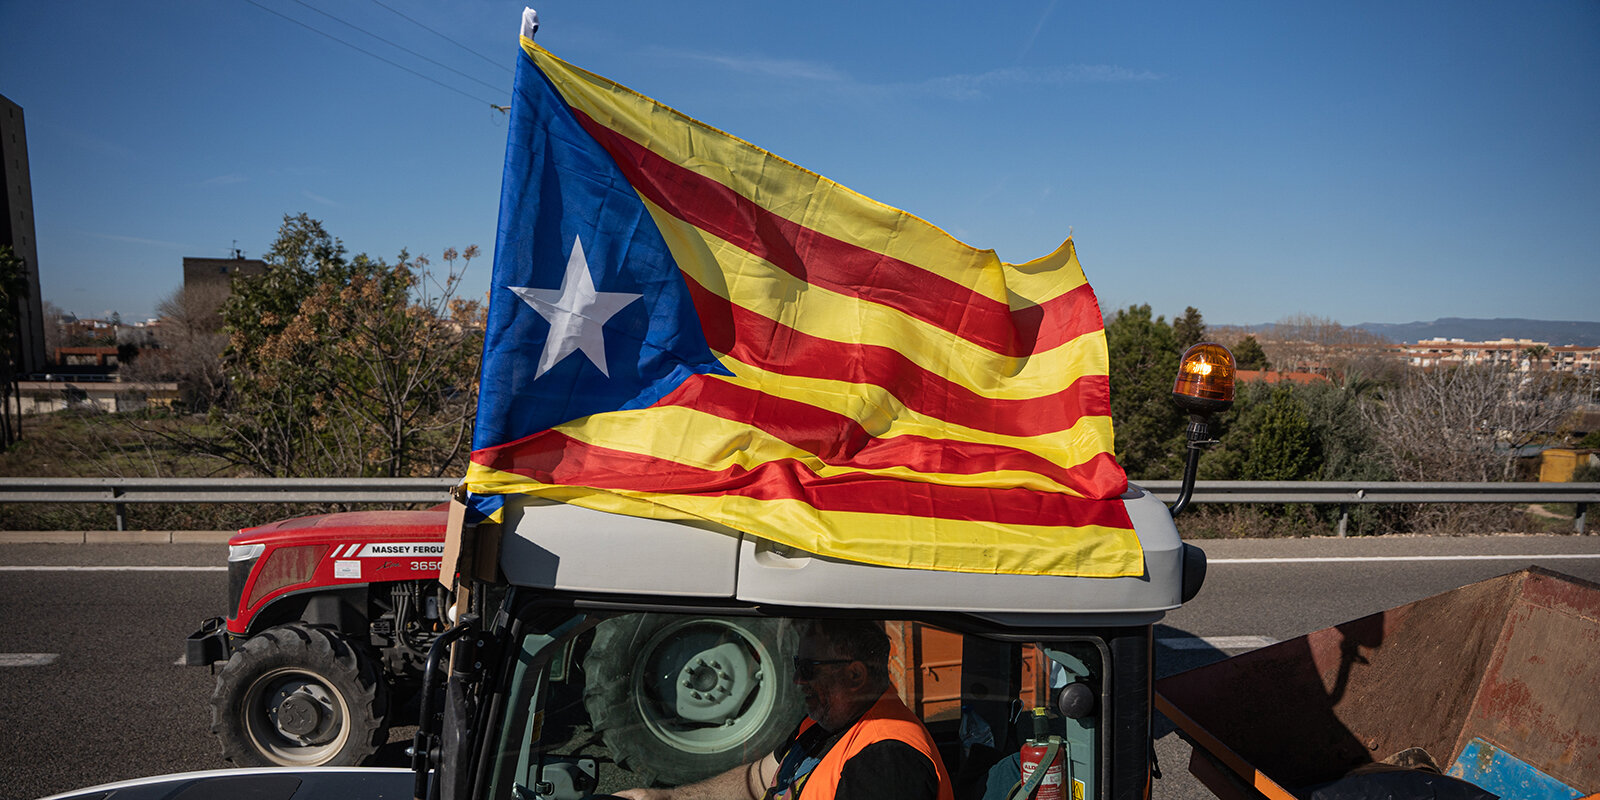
{"x": 97, "y": 445}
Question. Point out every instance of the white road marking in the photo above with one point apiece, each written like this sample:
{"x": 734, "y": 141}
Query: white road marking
{"x": 1216, "y": 642}
{"x": 28, "y": 659}
{"x": 108, "y": 569}
{"x": 1336, "y": 559}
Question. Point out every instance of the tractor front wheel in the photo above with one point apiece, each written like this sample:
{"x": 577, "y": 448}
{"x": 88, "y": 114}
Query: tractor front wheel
{"x": 299, "y": 696}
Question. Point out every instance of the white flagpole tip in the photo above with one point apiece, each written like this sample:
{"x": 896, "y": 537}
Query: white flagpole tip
{"x": 530, "y": 23}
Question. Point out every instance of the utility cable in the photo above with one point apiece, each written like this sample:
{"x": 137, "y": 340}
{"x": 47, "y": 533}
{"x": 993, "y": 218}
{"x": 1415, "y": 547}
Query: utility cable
{"x": 370, "y": 53}
{"x": 398, "y": 46}
{"x": 397, "y": 13}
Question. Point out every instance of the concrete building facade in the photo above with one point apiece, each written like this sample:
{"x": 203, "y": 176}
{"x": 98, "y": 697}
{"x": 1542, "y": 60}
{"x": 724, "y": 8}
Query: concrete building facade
{"x": 16, "y": 231}
{"x": 219, "y": 272}
{"x": 1513, "y": 353}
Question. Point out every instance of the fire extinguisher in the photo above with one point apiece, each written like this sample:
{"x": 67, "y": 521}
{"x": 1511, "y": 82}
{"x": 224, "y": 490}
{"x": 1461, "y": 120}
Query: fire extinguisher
{"x": 1044, "y": 764}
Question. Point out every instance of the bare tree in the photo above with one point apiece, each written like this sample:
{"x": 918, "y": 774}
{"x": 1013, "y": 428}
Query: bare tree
{"x": 1469, "y": 423}
{"x": 1308, "y": 343}
{"x": 189, "y": 345}
{"x": 54, "y": 336}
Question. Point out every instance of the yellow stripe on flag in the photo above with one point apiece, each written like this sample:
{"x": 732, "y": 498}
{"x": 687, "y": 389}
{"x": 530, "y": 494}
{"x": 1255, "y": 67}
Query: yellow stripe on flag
{"x": 802, "y": 196}
{"x": 756, "y": 285}
{"x": 895, "y": 541}
{"x": 657, "y": 432}
{"x": 882, "y": 415}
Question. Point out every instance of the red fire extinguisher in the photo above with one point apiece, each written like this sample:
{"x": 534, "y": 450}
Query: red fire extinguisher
{"x": 1044, "y": 764}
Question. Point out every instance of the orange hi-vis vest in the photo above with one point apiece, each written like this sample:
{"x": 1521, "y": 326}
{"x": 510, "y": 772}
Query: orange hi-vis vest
{"x": 888, "y": 719}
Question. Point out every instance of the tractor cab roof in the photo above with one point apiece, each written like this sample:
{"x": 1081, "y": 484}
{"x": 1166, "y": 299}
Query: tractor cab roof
{"x": 556, "y": 547}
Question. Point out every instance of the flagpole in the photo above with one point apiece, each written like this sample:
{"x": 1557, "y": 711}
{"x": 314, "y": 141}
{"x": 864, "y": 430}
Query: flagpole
{"x": 530, "y": 22}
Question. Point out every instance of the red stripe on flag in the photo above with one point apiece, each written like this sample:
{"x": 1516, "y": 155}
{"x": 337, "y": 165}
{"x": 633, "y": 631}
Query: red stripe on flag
{"x": 749, "y": 337}
{"x": 840, "y": 441}
{"x": 843, "y": 267}
{"x": 550, "y": 457}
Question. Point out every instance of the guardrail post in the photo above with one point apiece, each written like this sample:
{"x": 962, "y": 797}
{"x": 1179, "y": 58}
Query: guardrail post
{"x": 1344, "y": 519}
{"x": 121, "y": 511}
{"x": 1578, "y": 517}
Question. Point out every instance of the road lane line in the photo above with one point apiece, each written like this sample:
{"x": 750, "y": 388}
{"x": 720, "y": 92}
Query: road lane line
{"x": 48, "y": 568}
{"x": 1215, "y": 642}
{"x": 1337, "y": 559}
{"x": 28, "y": 659}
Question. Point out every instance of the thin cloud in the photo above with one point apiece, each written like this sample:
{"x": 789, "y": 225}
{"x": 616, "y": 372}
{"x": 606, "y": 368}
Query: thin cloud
{"x": 111, "y": 237}
{"x": 317, "y": 198}
{"x": 88, "y": 142}
{"x": 959, "y": 87}
{"x": 975, "y": 85}
{"x": 788, "y": 69}
{"x": 1033, "y": 35}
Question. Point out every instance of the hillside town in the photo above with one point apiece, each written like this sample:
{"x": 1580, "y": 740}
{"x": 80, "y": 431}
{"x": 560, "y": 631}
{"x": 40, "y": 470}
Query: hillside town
{"x": 89, "y": 360}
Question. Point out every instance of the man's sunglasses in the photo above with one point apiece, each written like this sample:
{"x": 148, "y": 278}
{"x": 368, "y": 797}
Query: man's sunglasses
{"x": 806, "y": 668}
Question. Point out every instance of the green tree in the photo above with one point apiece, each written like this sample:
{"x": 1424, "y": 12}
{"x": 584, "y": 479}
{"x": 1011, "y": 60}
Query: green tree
{"x": 1536, "y": 354}
{"x": 1341, "y": 439}
{"x": 261, "y": 306}
{"x": 1247, "y": 354}
{"x": 13, "y": 292}
{"x": 1189, "y": 330}
{"x": 272, "y": 420}
{"x": 347, "y": 366}
{"x": 1283, "y": 447}
{"x": 1143, "y": 364}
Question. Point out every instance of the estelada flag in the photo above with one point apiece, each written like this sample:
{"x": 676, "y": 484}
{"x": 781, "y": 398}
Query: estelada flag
{"x": 682, "y": 325}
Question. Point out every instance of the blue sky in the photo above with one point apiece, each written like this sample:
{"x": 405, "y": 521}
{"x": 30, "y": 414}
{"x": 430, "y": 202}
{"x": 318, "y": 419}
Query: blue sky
{"x": 1363, "y": 161}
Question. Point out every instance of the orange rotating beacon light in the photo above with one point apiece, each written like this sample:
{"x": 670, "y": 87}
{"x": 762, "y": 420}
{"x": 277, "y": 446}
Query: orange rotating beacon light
{"x": 1204, "y": 387}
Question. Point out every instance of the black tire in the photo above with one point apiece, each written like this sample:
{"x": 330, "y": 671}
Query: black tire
{"x": 731, "y": 676}
{"x": 299, "y": 696}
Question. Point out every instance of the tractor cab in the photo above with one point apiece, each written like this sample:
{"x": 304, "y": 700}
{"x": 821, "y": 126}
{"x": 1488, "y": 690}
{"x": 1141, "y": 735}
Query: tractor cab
{"x": 623, "y": 652}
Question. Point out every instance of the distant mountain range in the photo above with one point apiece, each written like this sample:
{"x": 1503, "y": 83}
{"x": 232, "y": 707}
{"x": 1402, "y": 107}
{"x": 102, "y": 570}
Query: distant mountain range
{"x": 1586, "y": 334}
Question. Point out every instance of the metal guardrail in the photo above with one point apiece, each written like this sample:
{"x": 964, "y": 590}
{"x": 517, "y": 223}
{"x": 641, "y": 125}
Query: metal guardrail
{"x": 121, "y": 491}
{"x": 225, "y": 490}
{"x": 1326, "y": 492}
{"x": 1347, "y": 493}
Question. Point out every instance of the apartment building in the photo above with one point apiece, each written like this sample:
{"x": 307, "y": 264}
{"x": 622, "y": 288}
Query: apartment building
{"x": 1572, "y": 358}
{"x": 1520, "y": 354}
{"x": 16, "y": 231}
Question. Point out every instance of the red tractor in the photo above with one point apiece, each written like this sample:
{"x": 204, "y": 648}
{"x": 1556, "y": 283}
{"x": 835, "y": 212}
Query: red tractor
{"x": 331, "y": 618}
{"x": 329, "y": 624}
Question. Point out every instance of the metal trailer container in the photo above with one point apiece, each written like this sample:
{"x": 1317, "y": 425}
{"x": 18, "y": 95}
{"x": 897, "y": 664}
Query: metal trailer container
{"x": 1496, "y": 683}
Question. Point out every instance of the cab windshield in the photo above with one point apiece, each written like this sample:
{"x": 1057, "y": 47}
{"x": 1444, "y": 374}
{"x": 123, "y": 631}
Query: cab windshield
{"x": 596, "y": 704}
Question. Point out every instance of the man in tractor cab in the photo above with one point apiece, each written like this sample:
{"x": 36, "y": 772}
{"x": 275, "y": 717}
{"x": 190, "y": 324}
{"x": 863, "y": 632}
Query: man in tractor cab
{"x": 857, "y": 741}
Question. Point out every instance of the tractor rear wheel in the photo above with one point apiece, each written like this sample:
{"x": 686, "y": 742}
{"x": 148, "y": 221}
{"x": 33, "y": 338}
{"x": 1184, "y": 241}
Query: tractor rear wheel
{"x": 684, "y": 698}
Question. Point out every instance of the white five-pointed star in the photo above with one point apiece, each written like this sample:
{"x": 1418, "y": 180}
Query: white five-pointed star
{"x": 576, "y": 313}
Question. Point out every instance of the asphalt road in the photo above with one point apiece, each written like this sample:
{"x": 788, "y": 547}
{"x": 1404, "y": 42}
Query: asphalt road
{"x": 112, "y": 704}
{"x": 91, "y": 636}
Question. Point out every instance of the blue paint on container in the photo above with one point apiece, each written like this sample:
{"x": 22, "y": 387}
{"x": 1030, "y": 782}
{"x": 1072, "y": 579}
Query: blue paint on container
{"x": 1499, "y": 772}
